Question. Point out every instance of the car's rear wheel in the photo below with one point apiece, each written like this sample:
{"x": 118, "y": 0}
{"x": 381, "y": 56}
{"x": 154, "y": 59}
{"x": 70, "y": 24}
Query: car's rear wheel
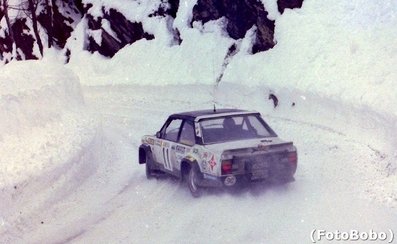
{"x": 193, "y": 180}
{"x": 149, "y": 167}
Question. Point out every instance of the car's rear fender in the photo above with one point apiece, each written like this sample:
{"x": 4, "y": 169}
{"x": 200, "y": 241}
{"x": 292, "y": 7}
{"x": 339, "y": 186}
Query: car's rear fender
{"x": 186, "y": 164}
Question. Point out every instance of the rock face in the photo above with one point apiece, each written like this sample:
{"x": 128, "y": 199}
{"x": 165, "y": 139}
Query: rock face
{"x": 241, "y": 15}
{"x": 283, "y": 4}
{"x": 124, "y": 32}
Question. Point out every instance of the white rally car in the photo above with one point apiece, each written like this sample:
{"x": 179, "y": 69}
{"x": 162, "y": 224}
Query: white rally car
{"x": 218, "y": 148}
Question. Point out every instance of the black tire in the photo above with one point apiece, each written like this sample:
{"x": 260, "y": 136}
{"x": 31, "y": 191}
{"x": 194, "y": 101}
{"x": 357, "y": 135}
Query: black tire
{"x": 193, "y": 178}
{"x": 149, "y": 170}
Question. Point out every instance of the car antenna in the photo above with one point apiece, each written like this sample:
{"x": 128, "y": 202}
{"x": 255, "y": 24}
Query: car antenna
{"x": 214, "y": 108}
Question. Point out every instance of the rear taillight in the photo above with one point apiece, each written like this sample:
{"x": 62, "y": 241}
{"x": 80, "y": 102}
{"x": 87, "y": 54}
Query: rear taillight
{"x": 227, "y": 166}
{"x": 292, "y": 157}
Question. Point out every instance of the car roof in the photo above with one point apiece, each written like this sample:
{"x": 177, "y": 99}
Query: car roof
{"x": 209, "y": 113}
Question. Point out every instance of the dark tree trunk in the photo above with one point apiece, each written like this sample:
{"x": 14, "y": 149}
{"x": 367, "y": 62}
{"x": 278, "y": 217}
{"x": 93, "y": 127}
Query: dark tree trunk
{"x": 32, "y": 9}
{"x": 50, "y": 27}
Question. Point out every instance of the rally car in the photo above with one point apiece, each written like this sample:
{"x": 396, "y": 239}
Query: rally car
{"x": 221, "y": 147}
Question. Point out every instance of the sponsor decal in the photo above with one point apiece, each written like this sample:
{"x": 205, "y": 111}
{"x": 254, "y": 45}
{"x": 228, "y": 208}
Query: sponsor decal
{"x": 158, "y": 143}
{"x": 205, "y": 155}
{"x": 165, "y": 144}
{"x": 212, "y": 162}
{"x": 263, "y": 147}
{"x": 204, "y": 165}
{"x": 180, "y": 149}
{"x": 150, "y": 141}
{"x": 195, "y": 151}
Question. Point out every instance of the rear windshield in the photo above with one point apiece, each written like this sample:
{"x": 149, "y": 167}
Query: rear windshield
{"x": 232, "y": 128}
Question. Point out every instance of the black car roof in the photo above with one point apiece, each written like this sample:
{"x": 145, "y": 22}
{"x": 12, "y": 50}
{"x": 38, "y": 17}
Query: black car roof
{"x": 194, "y": 114}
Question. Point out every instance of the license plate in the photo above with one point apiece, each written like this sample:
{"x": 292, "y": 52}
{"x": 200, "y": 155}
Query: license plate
{"x": 259, "y": 174}
{"x": 260, "y": 165}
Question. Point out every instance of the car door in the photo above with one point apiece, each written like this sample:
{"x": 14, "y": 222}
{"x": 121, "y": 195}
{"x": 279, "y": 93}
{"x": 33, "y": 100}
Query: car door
{"x": 184, "y": 144}
{"x": 163, "y": 145}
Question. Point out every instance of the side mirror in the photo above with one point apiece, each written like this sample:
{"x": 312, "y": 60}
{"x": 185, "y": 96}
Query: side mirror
{"x": 158, "y": 134}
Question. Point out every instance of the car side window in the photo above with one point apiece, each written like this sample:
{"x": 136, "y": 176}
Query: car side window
{"x": 172, "y": 130}
{"x": 258, "y": 127}
{"x": 187, "y": 134}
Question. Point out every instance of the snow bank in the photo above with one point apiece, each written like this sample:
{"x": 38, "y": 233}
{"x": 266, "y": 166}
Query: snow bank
{"x": 43, "y": 126}
{"x": 33, "y": 93}
{"x": 343, "y": 50}
{"x": 198, "y": 59}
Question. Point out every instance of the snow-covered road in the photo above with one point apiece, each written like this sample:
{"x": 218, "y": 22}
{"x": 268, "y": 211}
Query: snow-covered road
{"x": 111, "y": 201}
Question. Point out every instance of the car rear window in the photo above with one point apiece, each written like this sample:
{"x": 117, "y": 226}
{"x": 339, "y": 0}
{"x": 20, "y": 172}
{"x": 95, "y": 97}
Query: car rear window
{"x": 232, "y": 128}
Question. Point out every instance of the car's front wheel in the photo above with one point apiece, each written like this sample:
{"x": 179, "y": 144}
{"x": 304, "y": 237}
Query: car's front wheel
{"x": 149, "y": 170}
{"x": 193, "y": 180}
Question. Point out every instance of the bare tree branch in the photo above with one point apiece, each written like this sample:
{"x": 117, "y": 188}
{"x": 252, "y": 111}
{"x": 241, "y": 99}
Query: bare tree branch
{"x": 34, "y": 22}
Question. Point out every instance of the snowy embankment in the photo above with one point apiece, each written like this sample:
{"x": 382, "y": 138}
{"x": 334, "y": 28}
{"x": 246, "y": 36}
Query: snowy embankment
{"x": 44, "y": 136}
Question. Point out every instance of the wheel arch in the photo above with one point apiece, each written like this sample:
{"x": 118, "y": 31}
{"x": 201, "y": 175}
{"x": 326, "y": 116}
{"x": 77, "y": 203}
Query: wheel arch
{"x": 143, "y": 151}
{"x": 186, "y": 164}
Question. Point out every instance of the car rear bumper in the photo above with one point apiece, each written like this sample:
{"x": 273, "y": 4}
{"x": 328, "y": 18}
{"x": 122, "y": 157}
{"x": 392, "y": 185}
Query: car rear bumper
{"x": 231, "y": 180}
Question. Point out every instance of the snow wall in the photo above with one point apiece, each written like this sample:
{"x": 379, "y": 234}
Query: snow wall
{"x": 44, "y": 133}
